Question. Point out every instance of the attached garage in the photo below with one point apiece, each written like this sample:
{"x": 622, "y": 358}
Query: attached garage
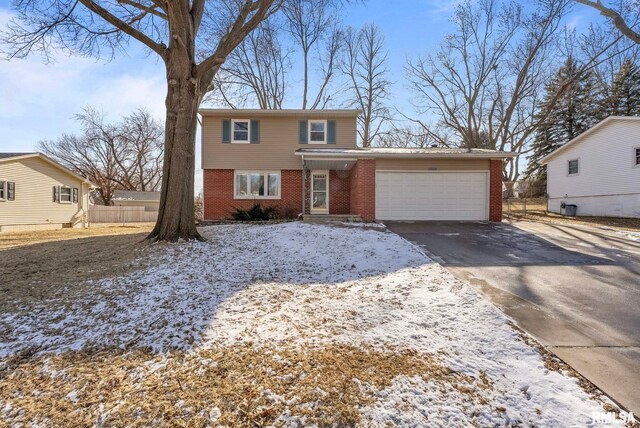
{"x": 441, "y": 195}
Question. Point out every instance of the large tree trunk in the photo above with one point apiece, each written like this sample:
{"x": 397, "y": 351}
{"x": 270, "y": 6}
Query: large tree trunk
{"x": 176, "y": 217}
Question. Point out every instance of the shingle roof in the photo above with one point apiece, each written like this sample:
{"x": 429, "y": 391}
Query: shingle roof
{"x": 14, "y": 155}
{"x": 133, "y": 195}
{"x": 405, "y": 152}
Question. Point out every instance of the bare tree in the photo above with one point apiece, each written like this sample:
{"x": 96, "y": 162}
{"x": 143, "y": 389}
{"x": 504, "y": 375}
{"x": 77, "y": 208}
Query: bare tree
{"x": 406, "y": 137}
{"x": 313, "y": 26}
{"x": 174, "y": 30}
{"x": 625, "y": 24}
{"x": 366, "y": 68}
{"x": 486, "y": 81}
{"x": 126, "y": 155}
{"x": 256, "y": 71}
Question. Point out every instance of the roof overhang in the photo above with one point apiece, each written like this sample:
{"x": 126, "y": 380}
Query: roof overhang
{"x": 243, "y": 113}
{"x": 51, "y": 162}
{"x": 545, "y": 160}
{"x": 339, "y": 164}
{"x": 356, "y": 154}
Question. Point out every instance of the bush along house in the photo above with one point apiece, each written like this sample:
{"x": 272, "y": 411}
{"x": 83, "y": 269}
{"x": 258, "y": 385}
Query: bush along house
{"x": 308, "y": 161}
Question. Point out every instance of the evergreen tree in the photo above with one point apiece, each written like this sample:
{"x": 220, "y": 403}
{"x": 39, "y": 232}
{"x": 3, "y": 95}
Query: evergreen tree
{"x": 624, "y": 99}
{"x": 571, "y": 106}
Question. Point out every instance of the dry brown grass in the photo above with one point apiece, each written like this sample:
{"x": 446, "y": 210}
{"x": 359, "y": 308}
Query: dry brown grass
{"x": 40, "y": 265}
{"x": 238, "y": 386}
{"x": 21, "y": 239}
{"x": 536, "y": 210}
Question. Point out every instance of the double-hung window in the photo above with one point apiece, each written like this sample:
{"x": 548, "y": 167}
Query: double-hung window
{"x": 317, "y": 131}
{"x": 65, "y": 194}
{"x": 573, "y": 167}
{"x": 241, "y": 131}
{"x": 257, "y": 185}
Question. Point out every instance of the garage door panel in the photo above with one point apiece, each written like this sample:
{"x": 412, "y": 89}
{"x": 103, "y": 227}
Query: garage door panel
{"x": 431, "y": 195}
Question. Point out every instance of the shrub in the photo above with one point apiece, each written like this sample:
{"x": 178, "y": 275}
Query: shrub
{"x": 255, "y": 213}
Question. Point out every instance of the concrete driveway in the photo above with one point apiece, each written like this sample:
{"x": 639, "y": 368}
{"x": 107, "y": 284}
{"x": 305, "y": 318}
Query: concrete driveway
{"x": 575, "y": 288}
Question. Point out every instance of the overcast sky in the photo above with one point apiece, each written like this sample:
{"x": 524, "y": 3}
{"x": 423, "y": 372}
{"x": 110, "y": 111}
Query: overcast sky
{"x": 38, "y": 100}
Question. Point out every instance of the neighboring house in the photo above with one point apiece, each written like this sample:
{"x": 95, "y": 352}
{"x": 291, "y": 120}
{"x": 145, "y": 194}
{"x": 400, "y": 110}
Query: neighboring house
{"x": 307, "y": 161}
{"x": 599, "y": 170}
{"x": 131, "y": 198}
{"x": 39, "y": 193}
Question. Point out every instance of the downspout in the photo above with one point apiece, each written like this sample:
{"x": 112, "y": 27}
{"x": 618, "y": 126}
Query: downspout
{"x": 304, "y": 187}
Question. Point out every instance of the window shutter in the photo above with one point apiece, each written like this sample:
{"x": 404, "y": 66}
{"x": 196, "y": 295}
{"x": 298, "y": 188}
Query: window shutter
{"x": 303, "y": 131}
{"x": 74, "y": 193}
{"x": 226, "y": 131}
{"x": 255, "y": 132}
{"x": 56, "y": 193}
{"x": 11, "y": 191}
{"x": 331, "y": 132}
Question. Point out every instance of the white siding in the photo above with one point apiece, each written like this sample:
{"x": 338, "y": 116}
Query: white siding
{"x": 432, "y": 195}
{"x": 607, "y": 169}
{"x": 33, "y": 203}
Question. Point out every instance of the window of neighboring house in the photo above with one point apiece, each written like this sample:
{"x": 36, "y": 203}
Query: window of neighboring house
{"x": 3, "y": 190}
{"x": 261, "y": 185}
{"x": 65, "y": 194}
{"x": 637, "y": 153}
{"x": 317, "y": 131}
{"x": 241, "y": 131}
{"x": 574, "y": 167}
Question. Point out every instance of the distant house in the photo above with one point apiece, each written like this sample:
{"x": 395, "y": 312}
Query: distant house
{"x": 131, "y": 198}
{"x": 598, "y": 171}
{"x": 38, "y": 193}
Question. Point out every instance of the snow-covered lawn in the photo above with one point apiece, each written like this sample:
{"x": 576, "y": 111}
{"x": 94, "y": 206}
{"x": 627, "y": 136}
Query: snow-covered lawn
{"x": 289, "y": 324}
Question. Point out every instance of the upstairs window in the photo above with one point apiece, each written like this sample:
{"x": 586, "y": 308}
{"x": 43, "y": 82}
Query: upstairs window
{"x": 637, "y": 150}
{"x": 318, "y": 131}
{"x": 241, "y": 131}
{"x": 574, "y": 167}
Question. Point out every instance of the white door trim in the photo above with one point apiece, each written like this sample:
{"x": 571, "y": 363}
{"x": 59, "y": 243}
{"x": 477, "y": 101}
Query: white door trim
{"x": 313, "y": 174}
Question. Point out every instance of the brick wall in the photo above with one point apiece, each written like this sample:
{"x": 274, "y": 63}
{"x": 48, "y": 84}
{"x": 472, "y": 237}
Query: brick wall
{"x": 363, "y": 189}
{"x": 495, "y": 190}
{"x": 339, "y": 192}
{"x": 218, "y": 194}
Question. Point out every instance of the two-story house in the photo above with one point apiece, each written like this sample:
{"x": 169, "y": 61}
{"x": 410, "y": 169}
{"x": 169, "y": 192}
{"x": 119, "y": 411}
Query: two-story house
{"x": 598, "y": 171}
{"x": 308, "y": 161}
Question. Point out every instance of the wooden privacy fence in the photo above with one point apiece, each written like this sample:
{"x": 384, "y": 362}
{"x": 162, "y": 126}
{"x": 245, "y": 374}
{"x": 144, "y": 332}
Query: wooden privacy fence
{"x": 103, "y": 214}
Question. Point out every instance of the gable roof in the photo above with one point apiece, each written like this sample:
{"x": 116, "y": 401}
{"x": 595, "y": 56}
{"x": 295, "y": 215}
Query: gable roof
{"x": 134, "y": 195}
{"x": 239, "y": 113}
{"x": 6, "y": 157}
{"x": 577, "y": 140}
{"x": 15, "y": 155}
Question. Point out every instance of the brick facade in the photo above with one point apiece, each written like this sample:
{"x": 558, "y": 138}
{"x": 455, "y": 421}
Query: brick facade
{"x": 219, "y": 202}
{"x": 495, "y": 190}
{"x": 363, "y": 189}
{"x": 350, "y": 192}
{"x": 339, "y": 192}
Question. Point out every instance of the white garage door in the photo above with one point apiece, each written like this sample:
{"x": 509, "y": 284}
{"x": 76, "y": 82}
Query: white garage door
{"x": 431, "y": 196}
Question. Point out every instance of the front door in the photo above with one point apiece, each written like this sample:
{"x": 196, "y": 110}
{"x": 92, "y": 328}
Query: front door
{"x": 320, "y": 192}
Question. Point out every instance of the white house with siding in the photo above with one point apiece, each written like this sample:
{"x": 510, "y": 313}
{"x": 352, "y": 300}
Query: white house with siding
{"x": 39, "y": 193}
{"x": 599, "y": 170}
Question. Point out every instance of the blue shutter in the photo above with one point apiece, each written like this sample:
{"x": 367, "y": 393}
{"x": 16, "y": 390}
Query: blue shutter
{"x": 226, "y": 131}
{"x": 255, "y": 132}
{"x": 303, "y": 132}
{"x": 331, "y": 132}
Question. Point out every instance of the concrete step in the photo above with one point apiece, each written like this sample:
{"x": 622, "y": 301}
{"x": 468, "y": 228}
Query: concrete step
{"x": 331, "y": 218}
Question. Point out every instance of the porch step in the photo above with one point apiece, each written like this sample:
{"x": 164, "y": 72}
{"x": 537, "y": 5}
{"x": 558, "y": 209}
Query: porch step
{"x": 331, "y": 218}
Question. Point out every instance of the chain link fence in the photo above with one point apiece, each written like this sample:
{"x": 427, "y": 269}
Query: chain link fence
{"x": 520, "y": 198}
